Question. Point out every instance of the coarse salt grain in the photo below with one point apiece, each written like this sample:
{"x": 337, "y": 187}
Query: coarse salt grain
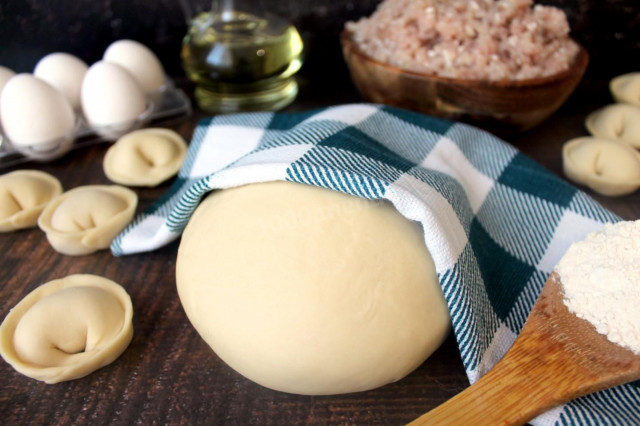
{"x": 600, "y": 277}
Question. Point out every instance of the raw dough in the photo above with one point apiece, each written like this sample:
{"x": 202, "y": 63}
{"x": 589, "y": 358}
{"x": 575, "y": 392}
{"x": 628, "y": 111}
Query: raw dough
{"x": 67, "y": 328}
{"x": 145, "y": 157}
{"x": 607, "y": 167}
{"x": 87, "y": 218}
{"x": 626, "y": 88}
{"x": 619, "y": 122}
{"x": 310, "y": 291}
{"x": 23, "y": 196}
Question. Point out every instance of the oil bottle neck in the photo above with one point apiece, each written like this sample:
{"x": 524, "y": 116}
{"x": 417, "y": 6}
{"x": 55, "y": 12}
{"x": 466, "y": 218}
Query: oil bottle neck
{"x": 226, "y": 8}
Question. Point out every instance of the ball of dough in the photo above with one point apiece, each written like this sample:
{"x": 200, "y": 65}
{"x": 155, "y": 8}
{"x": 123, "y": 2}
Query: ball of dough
{"x": 23, "y": 196}
{"x": 608, "y": 167}
{"x": 145, "y": 157}
{"x": 67, "y": 328}
{"x": 310, "y": 291}
{"x": 619, "y": 122}
{"x": 626, "y": 88}
{"x": 87, "y": 218}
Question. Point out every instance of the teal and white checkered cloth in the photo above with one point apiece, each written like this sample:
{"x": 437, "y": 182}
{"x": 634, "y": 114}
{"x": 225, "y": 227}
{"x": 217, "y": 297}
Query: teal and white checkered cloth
{"x": 495, "y": 221}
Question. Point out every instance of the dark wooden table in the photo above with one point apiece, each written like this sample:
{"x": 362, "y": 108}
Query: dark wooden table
{"x": 168, "y": 375}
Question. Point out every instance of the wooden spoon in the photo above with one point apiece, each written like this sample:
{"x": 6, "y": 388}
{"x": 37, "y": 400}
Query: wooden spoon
{"x": 556, "y": 358}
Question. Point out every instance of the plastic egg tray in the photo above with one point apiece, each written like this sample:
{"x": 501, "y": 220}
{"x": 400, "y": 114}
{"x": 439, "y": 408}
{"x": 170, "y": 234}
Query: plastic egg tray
{"x": 172, "y": 105}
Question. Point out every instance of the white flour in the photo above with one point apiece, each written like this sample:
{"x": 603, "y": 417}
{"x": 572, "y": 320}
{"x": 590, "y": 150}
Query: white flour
{"x": 601, "y": 280}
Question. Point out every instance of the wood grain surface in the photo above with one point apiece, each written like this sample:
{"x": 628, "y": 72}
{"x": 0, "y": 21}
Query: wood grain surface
{"x": 168, "y": 375}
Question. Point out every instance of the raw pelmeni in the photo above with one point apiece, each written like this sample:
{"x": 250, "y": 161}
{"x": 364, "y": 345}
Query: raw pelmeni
{"x": 626, "y": 88}
{"x": 87, "y": 218}
{"x": 67, "y": 328}
{"x": 23, "y": 196}
{"x": 608, "y": 167}
{"x": 620, "y": 122}
{"x": 145, "y": 157}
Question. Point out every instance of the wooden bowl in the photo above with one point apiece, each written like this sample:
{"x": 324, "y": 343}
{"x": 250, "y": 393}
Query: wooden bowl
{"x": 504, "y": 106}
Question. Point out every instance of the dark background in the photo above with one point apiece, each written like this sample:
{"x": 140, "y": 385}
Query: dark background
{"x": 29, "y": 29}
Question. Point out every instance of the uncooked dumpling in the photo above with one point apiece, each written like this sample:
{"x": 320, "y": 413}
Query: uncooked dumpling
{"x": 87, "y": 218}
{"x": 23, "y": 196}
{"x": 145, "y": 157}
{"x": 67, "y": 328}
{"x": 607, "y": 167}
{"x": 308, "y": 290}
{"x": 626, "y": 88}
{"x": 620, "y": 122}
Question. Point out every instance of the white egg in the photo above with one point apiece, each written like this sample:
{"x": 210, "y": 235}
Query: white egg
{"x": 139, "y": 60}
{"x": 5, "y": 75}
{"x": 33, "y": 112}
{"x": 64, "y": 72}
{"x": 111, "y": 97}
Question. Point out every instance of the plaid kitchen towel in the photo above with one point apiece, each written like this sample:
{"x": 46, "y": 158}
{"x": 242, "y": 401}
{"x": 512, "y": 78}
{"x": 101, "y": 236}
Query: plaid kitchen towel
{"x": 495, "y": 221}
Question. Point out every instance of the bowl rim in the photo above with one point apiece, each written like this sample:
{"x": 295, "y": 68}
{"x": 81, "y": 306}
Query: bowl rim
{"x": 577, "y": 67}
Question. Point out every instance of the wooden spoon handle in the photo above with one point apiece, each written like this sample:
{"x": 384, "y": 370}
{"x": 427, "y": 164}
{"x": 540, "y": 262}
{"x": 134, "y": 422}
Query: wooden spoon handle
{"x": 556, "y": 358}
{"x": 508, "y": 395}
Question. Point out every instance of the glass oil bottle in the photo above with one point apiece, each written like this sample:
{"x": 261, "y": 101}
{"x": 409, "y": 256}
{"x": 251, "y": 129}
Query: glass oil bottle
{"x": 242, "y": 58}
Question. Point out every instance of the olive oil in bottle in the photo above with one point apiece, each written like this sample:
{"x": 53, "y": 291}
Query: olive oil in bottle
{"x": 242, "y": 61}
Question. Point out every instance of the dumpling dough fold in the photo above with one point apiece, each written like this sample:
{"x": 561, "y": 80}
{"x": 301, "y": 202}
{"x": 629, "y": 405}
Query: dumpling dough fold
{"x": 87, "y": 218}
{"x": 145, "y": 157}
{"x": 23, "y": 196}
{"x": 67, "y": 328}
{"x": 607, "y": 167}
{"x": 626, "y": 88}
{"x": 618, "y": 122}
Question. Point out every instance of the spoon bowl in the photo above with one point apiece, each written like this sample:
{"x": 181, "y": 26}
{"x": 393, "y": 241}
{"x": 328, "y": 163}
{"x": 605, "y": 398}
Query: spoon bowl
{"x": 556, "y": 358}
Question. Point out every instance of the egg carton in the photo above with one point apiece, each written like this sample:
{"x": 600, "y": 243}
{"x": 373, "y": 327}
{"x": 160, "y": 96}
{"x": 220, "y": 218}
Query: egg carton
{"x": 172, "y": 106}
